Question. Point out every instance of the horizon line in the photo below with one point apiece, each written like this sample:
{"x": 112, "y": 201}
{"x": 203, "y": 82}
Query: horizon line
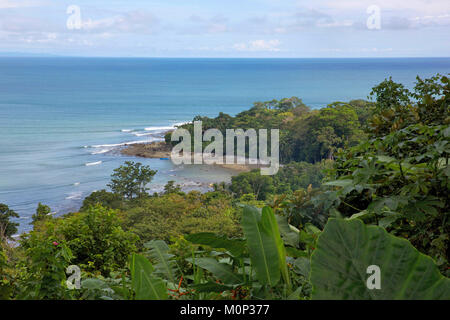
{"x": 49, "y": 55}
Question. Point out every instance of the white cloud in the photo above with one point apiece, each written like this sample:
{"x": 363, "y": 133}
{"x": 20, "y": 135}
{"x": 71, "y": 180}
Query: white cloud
{"x": 9, "y": 4}
{"x": 201, "y": 25}
{"x": 141, "y": 22}
{"x": 297, "y": 21}
{"x": 259, "y": 45}
{"x": 422, "y": 6}
{"x": 376, "y": 49}
{"x": 335, "y": 24}
{"x": 430, "y": 20}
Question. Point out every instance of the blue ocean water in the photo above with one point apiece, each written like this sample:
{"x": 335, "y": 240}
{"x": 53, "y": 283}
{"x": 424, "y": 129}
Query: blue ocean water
{"x": 61, "y": 117}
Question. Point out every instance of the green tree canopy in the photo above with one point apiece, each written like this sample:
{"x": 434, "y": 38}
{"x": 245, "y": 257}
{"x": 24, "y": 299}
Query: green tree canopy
{"x": 42, "y": 212}
{"x": 131, "y": 180}
{"x": 7, "y": 227}
{"x": 252, "y": 182}
{"x": 104, "y": 198}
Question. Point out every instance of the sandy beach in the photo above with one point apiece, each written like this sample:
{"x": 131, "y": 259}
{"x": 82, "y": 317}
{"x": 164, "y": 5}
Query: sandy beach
{"x": 160, "y": 149}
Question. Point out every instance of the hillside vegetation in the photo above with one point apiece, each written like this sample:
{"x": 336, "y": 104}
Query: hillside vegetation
{"x": 364, "y": 183}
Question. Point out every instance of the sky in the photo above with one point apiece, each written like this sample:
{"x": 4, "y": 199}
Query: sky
{"x": 226, "y": 28}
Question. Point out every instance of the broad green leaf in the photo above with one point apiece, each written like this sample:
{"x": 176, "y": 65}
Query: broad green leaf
{"x": 270, "y": 223}
{"x": 339, "y": 183}
{"x": 389, "y": 202}
{"x": 302, "y": 266}
{"x": 386, "y": 159}
{"x": 261, "y": 246}
{"x": 94, "y": 284}
{"x": 295, "y": 295}
{"x": 345, "y": 250}
{"x": 222, "y": 271}
{"x": 160, "y": 252}
{"x": 420, "y": 209}
{"x": 447, "y": 171}
{"x": 446, "y": 132}
{"x": 295, "y": 253}
{"x": 360, "y": 215}
{"x": 289, "y": 233}
{"x": 388, "y": 220}
{"x": 145, "y": 285}
{"x": 312, "y": 229}
{"x": 235, "y": 246}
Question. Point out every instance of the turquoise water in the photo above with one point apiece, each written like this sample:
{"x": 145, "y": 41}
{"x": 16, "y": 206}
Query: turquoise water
{"x": 60, "y": 118}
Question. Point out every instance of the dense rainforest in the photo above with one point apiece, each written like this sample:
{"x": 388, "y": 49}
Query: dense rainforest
{"x": 362, "y": 184}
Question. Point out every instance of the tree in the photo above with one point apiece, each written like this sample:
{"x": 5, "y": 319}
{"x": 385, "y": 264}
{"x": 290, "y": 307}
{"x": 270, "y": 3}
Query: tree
{"x": 104, "y": 198}
{"x": 393, "y": 110}
{"x": 287, "y": 104}
{"x": 390, "y": 94}
{"x": 171, "y": 187}
{"x": 299, "y": 175}
{"x": 321, "y": 133}
{"x": 363, "y": 109}
{"x": 42, "y": 212}
{"x": 252, "y": 182}
{"x": 7, "y": 228}
{"x": 433, "y": 99}
{"x": 131, "y": 179}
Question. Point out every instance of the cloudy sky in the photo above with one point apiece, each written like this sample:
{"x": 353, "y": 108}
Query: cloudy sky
{"x": 227, "y": 28}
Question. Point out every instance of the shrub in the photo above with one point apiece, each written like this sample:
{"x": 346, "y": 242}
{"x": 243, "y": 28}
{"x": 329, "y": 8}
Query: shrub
{"x": 7, "y": 227}
{"x": 104, "y": 198}
{"x": 95, "y": 238}
{"x": 172, "y": 215}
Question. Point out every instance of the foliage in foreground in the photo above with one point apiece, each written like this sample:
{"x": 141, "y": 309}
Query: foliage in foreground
{"x": 399, "y": 178}
{"x": 347, "y": 248}
{"x": 95, "y": 238}
{"x": 267, "y": 264}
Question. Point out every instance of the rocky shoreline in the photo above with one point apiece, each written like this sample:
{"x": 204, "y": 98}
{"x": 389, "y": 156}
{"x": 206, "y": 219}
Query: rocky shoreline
{"x": 153, "y": 150}
{"x": 160, "y": 149}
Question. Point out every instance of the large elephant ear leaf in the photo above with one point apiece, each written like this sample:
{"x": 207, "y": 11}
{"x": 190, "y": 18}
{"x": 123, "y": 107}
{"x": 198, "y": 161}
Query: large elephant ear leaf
{"x": 346, "y": 249}
{"x": 261, "y": 246}
{"x": 146, "y": 285}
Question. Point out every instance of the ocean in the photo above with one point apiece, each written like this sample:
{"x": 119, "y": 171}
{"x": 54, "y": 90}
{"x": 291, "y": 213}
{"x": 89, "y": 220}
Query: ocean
{"x": 62, "y": 118}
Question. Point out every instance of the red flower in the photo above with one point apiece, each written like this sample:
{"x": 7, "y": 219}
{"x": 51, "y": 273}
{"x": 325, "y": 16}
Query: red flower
{"x": 55, "y": 243}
